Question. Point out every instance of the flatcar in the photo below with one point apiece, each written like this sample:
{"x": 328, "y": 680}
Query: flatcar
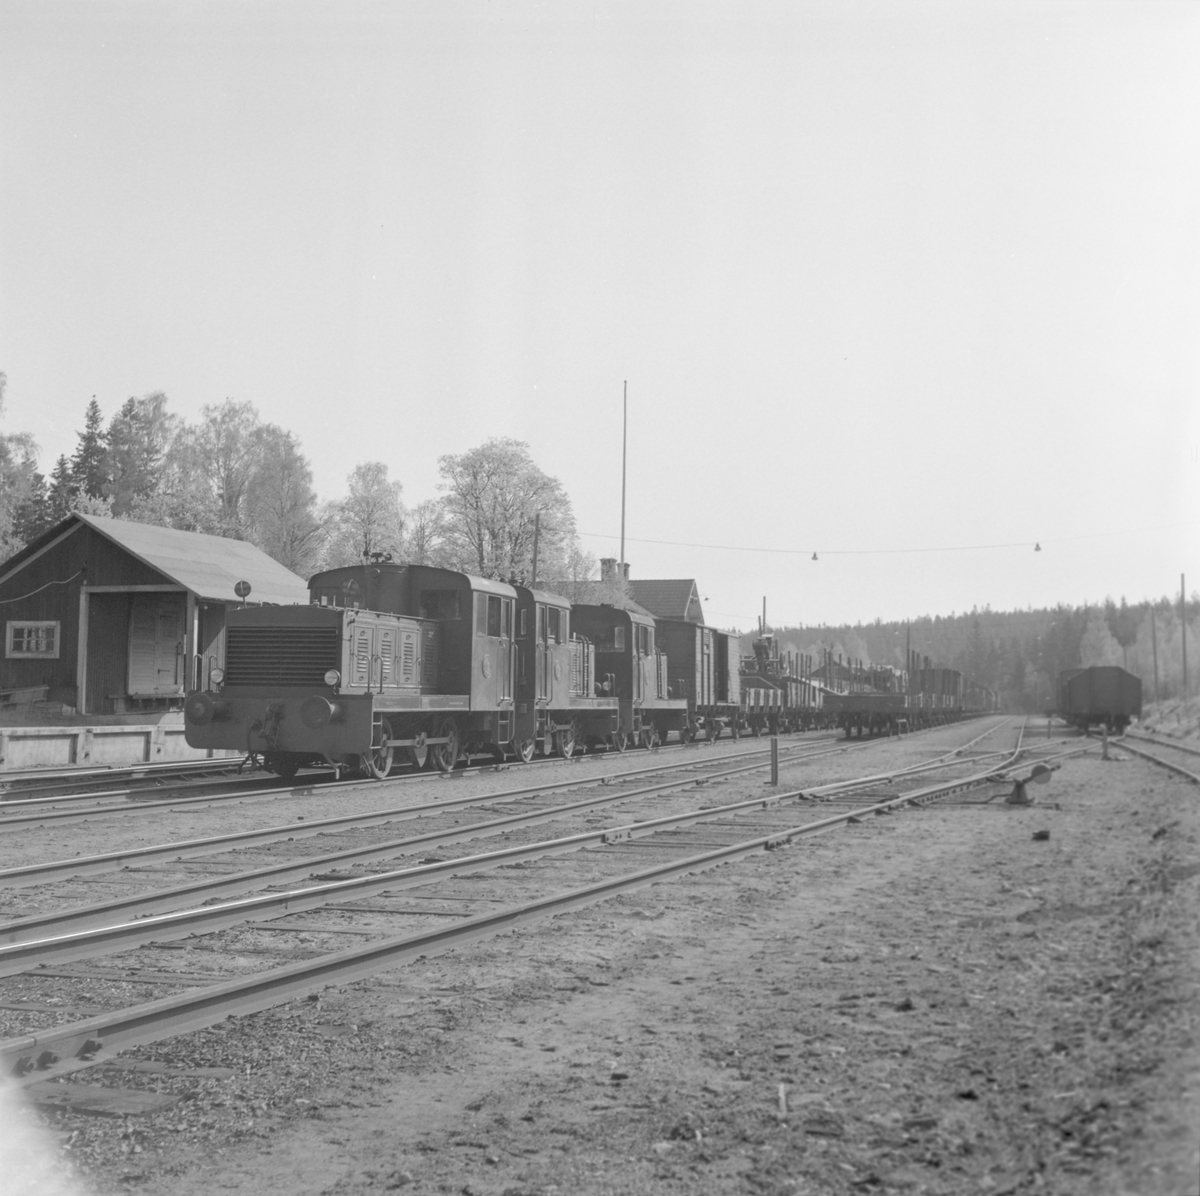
{"x": 1102, "y": 694}
{"x": 775, "y": 695}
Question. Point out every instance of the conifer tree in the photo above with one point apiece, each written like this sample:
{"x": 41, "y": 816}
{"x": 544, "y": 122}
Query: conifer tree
{"x": 89, "y": 469}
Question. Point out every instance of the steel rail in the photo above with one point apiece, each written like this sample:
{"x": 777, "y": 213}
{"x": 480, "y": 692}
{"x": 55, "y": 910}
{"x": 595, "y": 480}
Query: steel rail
{"x": 302, "y": 790}
{"x": 78, "y": 936}
{"x": 140, "y": 906}
{"x": 1167, "y": 743}
{"x": 93, "y": 1040}
{"x": 1175, "y": 768}
{"x": 104, "y": 771}
{"x": 27, "y": 874}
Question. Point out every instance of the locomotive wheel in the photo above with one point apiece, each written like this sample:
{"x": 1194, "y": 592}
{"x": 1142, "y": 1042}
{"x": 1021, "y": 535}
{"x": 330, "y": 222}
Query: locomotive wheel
{"x": 620, "y": 741}
{"x": 564, "y": 742}
{"x": 525, "y": 750}
{"x": 650, "y": 737}
{"x": 283, "y": 764}
{"x": 445, "y": 755}
{"x": 377, "y": 762}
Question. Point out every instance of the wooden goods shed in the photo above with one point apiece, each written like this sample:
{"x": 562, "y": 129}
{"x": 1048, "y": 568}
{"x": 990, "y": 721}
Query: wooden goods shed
{"x": 110, "y": 617}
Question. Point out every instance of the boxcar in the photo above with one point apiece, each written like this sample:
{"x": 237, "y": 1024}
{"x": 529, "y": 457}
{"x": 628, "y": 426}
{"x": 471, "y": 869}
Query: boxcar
{"x": 635, "y": 672}
{"x": 702, "y": 667}
{"x": 1102, "y": 694}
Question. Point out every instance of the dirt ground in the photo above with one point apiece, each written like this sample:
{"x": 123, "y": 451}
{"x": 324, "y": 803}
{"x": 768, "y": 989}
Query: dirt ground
{"x": 934, "y": 1002}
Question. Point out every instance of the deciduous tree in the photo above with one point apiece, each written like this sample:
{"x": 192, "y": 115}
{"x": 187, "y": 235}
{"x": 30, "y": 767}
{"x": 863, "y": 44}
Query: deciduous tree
{"x": 495, "y": 495}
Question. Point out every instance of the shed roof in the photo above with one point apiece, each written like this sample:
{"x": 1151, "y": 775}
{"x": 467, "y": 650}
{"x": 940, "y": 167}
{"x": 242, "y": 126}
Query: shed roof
{"x": 669, "y": 599}
{"x": 209, "y": 566}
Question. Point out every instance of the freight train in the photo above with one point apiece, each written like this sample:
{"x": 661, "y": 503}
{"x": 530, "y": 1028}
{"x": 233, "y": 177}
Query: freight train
{"x": 411, "y": 663}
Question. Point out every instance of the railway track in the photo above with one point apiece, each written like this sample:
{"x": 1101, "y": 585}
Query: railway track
{"x": 16, "y": 811}
{"x": 453, "y": 900}
{"x": 1169, "y": 765}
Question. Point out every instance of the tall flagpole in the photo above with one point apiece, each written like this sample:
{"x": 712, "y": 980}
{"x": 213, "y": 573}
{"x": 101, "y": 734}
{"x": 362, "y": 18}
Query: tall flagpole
{"x": 624, "y": 435}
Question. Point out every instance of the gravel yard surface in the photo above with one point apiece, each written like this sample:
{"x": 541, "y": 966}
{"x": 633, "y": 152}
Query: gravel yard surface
{"x": 932, "y": 1002}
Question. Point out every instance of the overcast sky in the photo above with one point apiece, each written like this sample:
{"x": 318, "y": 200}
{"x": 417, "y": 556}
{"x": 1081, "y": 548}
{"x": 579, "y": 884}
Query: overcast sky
{"x": 910, "y": 285}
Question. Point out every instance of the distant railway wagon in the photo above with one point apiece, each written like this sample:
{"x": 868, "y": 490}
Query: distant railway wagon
{"x": 774, "y": 697}
{"x": 1101, "y": 695}
{"x": 635, "y": 672}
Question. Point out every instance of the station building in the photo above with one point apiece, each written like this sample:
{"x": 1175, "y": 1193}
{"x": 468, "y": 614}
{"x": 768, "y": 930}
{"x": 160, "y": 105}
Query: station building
{"x": 105, "y": 620}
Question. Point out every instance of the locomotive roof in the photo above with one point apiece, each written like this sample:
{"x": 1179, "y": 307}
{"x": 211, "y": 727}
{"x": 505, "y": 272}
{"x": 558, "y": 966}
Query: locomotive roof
{"x": 547, "y": 596}
{"x": 485, "y": 584}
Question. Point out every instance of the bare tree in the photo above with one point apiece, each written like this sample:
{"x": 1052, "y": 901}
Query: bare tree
{"x": 369, "y": 520}
{"x": 18, "y": 465}
{"x": 425, "y": 534}
{"x": 281, "y": 504}
{"x": 496, "y": 497}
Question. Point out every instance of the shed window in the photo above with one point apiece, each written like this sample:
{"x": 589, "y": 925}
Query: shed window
{"x": 38, "y": 639}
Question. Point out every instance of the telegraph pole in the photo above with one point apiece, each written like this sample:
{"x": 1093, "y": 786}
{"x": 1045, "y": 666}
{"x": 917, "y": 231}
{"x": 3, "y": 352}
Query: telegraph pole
{"x": 1183, "y": 629}
{"x": 624, "y": 441}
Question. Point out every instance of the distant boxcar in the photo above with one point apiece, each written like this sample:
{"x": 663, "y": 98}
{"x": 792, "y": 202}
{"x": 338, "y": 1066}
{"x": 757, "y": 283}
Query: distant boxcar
{"x": 1102, "y": 694}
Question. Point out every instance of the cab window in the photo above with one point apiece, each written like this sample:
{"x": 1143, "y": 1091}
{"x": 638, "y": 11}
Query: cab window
{"x": 489, "y": 614}
{"x": 440, "y": 604}
{"x": 618, "y": 639}
{"x": 554, "y": 625}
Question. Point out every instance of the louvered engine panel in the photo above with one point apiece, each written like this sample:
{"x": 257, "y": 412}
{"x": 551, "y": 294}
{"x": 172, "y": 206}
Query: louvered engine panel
{"x": 406, "y": 659}
{"x": 359, "y": 672}
{"x": 280, "y": 655}
{"x": 429, "y": 658}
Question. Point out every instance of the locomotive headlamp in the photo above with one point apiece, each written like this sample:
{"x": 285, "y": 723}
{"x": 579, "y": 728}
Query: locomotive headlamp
{"x": 217, "y": 676}
{"x": 333, "y": 677}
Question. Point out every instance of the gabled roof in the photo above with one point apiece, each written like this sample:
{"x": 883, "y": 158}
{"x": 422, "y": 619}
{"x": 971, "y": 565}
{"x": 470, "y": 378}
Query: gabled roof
{"x": 670, "y": 599}
{"x": 209, "y": 566}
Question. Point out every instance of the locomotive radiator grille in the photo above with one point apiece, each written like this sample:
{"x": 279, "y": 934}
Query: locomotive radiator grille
{"x": 280, "y": 655}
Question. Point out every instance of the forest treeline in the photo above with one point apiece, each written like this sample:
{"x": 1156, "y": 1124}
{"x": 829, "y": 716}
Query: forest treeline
{"x": 231, "y": 474}
{"x": 1019, "y": 654}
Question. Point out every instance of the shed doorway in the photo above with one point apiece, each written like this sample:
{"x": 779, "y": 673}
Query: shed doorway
{"x": 157, "y": 651}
